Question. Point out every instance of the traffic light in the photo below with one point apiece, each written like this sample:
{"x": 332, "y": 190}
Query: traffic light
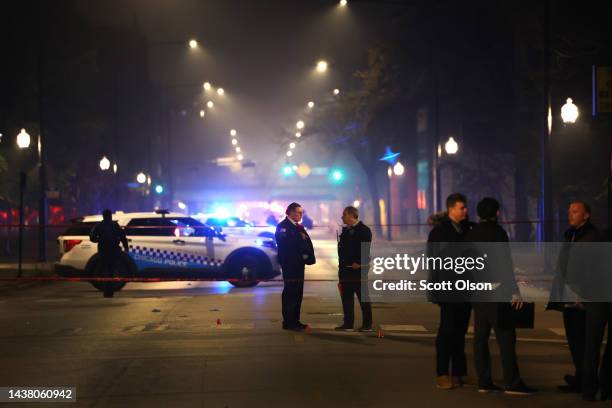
{"x": 336, "y": 175}
{"x": 287, "y": 170}
{"x": 159, "y": 189}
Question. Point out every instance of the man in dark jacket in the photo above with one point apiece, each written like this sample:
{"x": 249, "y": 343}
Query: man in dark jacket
{"x": 295, "y": 250}
{"x": 108, "y": 235}
{"x": 353, "y": 260}
{"x": 454, "y": 311}
{"x": 574, "y": 317}
{"x": 486, "y": 313}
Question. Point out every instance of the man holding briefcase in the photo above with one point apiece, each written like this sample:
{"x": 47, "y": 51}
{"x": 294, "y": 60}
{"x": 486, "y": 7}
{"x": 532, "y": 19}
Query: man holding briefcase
{"x": 489, "y": 315}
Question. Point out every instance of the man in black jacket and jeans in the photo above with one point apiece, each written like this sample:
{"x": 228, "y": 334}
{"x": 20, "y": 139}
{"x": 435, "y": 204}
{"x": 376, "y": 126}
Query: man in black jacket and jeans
{"x": 353, "y": 259}
{"x": 454, "y": 309}
{"x": 295, "y": 250}
{"x": 574, "y": 317}
{"x": 486, "y": 306}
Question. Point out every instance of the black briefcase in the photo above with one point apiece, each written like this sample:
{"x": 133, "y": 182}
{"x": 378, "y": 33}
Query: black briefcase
{"x": 510, "y": 318}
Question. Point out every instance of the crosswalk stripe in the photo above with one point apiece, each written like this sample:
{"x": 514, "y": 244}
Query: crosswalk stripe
{"x": 225, "y": 326}
{"x": 558, "y": 331}
{"x": 131, "y": 329}
{"x": 322, "y": 326}
{"x": 239, "y": 295}
{"x": 52, "y": 300}
{"x": 403, "y": 327}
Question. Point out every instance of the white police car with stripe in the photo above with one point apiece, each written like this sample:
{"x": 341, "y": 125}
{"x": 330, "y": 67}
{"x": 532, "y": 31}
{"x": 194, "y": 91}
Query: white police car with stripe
{"x": 163, "y": 244}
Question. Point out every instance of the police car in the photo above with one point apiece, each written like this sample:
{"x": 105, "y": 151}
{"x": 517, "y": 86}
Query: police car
{"x": 164, "y": 244}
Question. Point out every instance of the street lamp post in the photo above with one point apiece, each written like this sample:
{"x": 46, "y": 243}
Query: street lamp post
{"x": 23, "y": 142}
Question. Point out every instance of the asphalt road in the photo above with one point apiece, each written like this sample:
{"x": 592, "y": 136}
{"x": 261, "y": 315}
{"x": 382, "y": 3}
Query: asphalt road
{"x": 202, "y": 344}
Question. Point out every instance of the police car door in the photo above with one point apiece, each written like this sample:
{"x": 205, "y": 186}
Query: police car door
{"x": 193, "y": 245}
{"x": 150, "y": 244}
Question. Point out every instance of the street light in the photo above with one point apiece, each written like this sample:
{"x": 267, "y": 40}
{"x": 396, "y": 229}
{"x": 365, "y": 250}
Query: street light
{"x": 311, "y": 104}
{"x": 240, "y": 157}
{"x": 451, "y": 146}
{"x": 289, "y": 153}
{"x": 193, "y": 44}
{"x": 104, "y": 163}
{"x": 322, "y": 66}
{"x": 220, "y": 91}
{"x": 234, "y": 142}
{"x": 233, "y": 132}
{"x": 569, "y": 111}
{"x": 149, "y": 180}
{"x": 207, "y": 86}
{"x": 298, "y": 134}
{"x": 202, "y": 113}
{"x": 210, "y": 104}
{"x": 23, "y": 139}
{"x": 343, "y": 3}
{"x": 398, "y": 169}
{"x": 300, "y": 124}
{"x": 356, "y": 203}
{"x": 141, "y": 178}
{"x": 115, "y": 168}
{"x": 237, "y": 149}
{"x": 336, "y": 92}
{"x": 292, "y": 145}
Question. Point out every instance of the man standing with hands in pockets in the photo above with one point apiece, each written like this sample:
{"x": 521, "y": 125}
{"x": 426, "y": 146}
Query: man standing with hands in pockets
{"x": 353, "y": 258}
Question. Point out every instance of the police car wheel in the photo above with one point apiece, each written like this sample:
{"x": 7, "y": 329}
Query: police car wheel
{"x": 244, "y": 270}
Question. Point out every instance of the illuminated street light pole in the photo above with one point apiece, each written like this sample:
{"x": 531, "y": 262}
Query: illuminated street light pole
{"x": 23, "y": 142}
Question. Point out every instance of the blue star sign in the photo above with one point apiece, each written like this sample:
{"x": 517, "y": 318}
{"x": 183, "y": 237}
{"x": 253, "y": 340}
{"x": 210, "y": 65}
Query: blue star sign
{"x": 389, "y": 156}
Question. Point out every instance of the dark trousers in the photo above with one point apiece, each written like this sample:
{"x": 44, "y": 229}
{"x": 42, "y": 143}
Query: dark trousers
{"x": 574, "y": 321}
{"x": 349, "y": 287}
{"x": 450, "y": 341}
{"x": 108, "y": 266}
{"x": 485, "y": 319}
{"x": 293, "y": 292}
{"x": 598, "y": 314}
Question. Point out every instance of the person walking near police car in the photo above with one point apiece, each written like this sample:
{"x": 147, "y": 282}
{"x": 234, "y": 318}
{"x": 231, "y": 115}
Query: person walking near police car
{"x": 108, "y": 235}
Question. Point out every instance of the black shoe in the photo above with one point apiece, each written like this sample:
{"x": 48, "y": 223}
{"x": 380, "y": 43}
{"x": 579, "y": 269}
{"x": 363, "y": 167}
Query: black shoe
{"x": 302, "y": 325}
{"x": 344, "y": 327}
{"x": 489, "y": 388}
{"x": 570, "y": 380}
{"x": 366, "y": 329}
{"x": 288, "y": 326}
{"x": 520, "y": 389}
{"x": 568, "y": 389}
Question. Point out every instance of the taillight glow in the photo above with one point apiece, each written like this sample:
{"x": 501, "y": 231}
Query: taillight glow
{"x": 71, "y": 243}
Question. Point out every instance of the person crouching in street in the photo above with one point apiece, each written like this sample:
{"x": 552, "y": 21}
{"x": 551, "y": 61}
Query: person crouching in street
{"x": 353, "y": 259}
{"x": 295, "y": 250}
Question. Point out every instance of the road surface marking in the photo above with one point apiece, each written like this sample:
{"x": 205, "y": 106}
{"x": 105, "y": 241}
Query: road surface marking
{"x": 235, "y": 326}
{"x": 68, "y": 332}
{"x": 558, "y": 331}
{"x": 322, "y": 326}
{"x": 131, "y": 329}
{"x": 52, "y": 300}
{"x": 403, "y": 327}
